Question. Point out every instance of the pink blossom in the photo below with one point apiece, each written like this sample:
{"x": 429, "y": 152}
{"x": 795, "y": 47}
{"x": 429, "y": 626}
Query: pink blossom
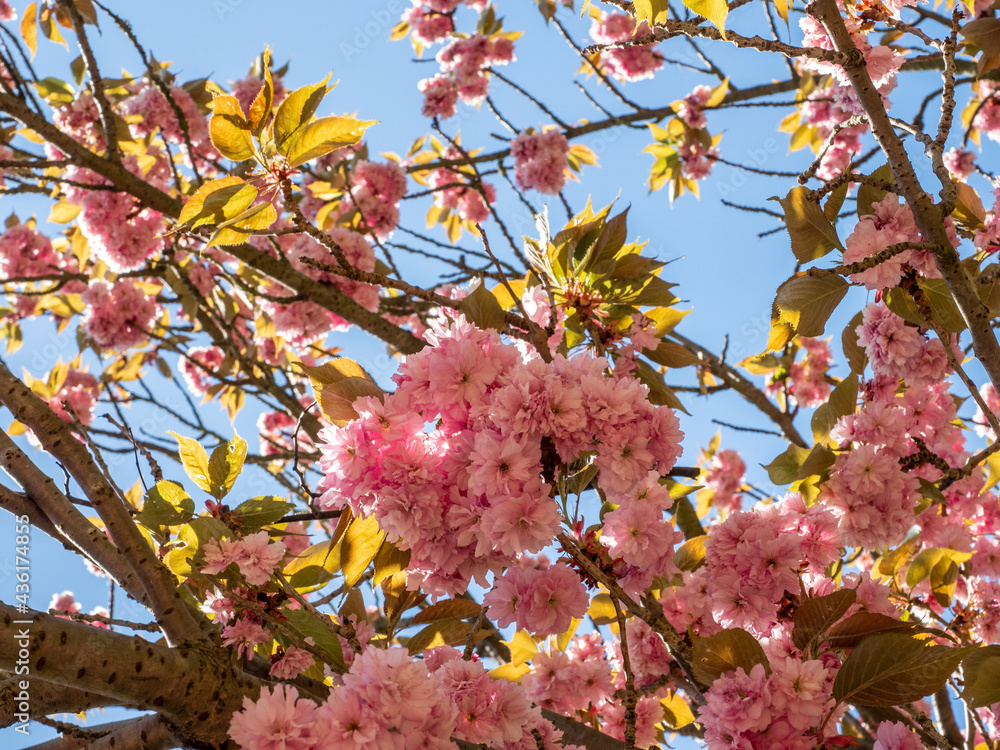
{"x": 293, "y": 662}
{"x": 244, "y": 635}
{"x": 199, "y": 365}
{"x": 540, "y": 161}
{"x": 896, "y": 736}
{"x": 257, "y": 557}
{"x": 625, "y": 63}
{"x": 960, "y": 163}
{"x": 118, "y": 316}
{"x": 277, "y": 720}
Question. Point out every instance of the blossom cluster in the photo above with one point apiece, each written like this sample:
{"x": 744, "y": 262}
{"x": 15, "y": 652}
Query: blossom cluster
{"x": 464, "y": 63}
{"x": 626, "y": 64}
{"x": 390, "y": 702}
{"x": 473, "y": 495}
{"x": 540, "y": 161}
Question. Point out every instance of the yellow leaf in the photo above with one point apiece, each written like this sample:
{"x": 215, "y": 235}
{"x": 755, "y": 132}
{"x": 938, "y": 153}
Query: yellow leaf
{"x": 509, "y": 672}
{"x": 358, "y": 547}
{"x": 194, "y": 459}
{"x": 29, "y": 28}
{"x": 522, "y": 648}
{"x": 262, "y": 103}
{"x": 229, "y": 130}
{"x": 63, "y": 212}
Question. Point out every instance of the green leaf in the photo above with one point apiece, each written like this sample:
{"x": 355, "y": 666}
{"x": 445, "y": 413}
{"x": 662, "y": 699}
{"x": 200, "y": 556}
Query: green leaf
{"x": 784, "y": 469}
{"x": 298, "y": 109}
{"x": 812, "y": 233}
{"x": 358, "y": 548}
{"x": 820, "y": 459}
{"x": 861, "y": 625}
{"x": 807, "y": 302}
{"x": 854, "y": 353}
{"x": 942, "y": 305}
{"x": 166, "y": 504}
{"x": 868, "y": 194}
{"x": 324, "y": 135}
{"x": 258, "y": 512}
{"x": 217, "y": 201}
{"x": 225, "y": 466}
{"x": 842, "y": 402}
{"x": 889, "y": 669}
{"x": 816, "y": 614}
{"x": 483, "y": 309}
{"x": 314, "y": 567}
{"x": 686, "y": 519}
{"x": 724, "y": 652}
{"x": 230, "y": 132}
{"x": 981, "y": 670}
{"x": 457, "y": 609}
{"x": 194, "y": 459}
{"x": 307, "y": 626}
{"x": 672, "y": 355}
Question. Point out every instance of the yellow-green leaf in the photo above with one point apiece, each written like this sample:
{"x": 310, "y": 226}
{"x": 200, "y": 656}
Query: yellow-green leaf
{"x": 691, "y": 554}
{"x": 812, "y": 233}
{"x": 807, "y": 302}
{"x": 225, "y": 466}
{"x": 296, "y": 110}
{"x": 323, "y": 136}
{"x": 217, "y": 201}
{"x": 262, "y": 103}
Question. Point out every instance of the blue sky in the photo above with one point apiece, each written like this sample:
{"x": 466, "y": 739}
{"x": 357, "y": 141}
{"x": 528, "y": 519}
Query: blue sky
{"x": 723, "y": 270}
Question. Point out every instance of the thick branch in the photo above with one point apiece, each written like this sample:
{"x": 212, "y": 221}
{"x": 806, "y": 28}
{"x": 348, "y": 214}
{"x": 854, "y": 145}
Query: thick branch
{"x": 928, "y": 216}
{"x": 196, "y": 689}
{"x": 69, "y": 522}
{"x": 179, "y": 622}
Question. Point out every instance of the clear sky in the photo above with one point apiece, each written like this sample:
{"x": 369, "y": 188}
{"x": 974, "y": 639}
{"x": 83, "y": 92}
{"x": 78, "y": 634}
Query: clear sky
{"x": 724, "y": 271}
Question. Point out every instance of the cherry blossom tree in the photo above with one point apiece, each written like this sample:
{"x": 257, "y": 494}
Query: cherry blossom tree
{"x": 499, "y": 545}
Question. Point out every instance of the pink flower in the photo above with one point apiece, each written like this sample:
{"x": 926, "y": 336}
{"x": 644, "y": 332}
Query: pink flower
{"x": 625, "y": 63}
{"x": 440, "y": 96}
{"x": 64, "y": 602}
{"x": 896, "y": 736}
{"x": 277, "y": 720}
{"x": 257, "y": 557}
{"x": 553, "y": 598}
{"x": 244, "y": 635}
{"x": 199, "y": 365}
{"x": 540, "y": 161}
{"x": 219, "y": 555}
{"x": 294, "y": 662}
{"x": 118, "y": 316}
{"x": 960, "y": 163}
